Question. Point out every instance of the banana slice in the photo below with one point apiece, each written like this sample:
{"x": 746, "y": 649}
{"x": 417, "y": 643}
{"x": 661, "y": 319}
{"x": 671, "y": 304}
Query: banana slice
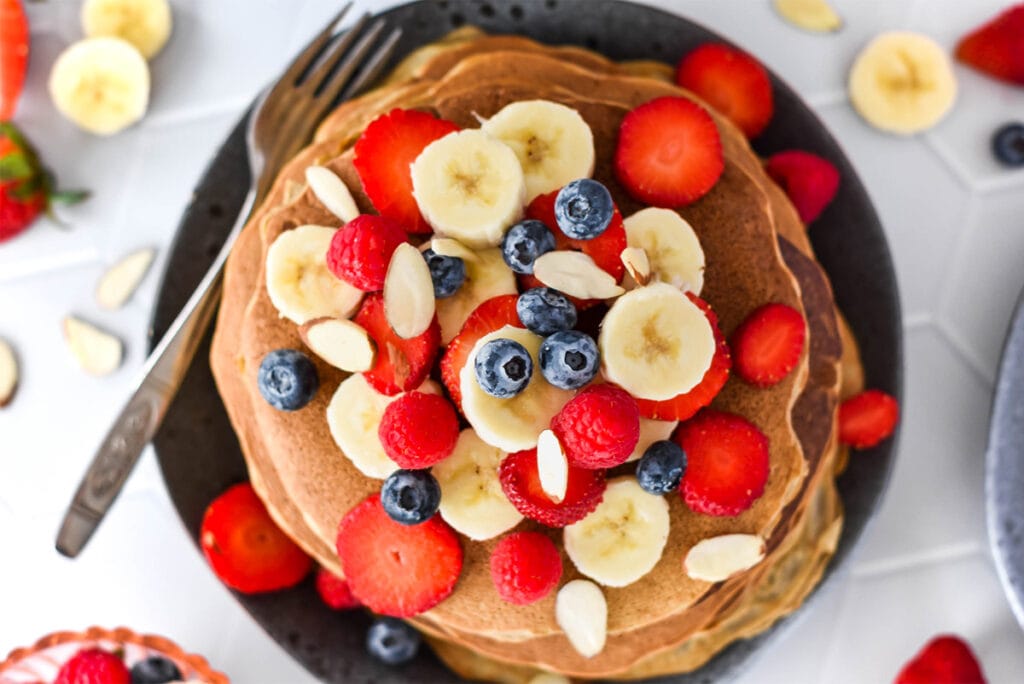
{"x": 816, "y": 16}
{"x": 354, "y": 416}
{"x": 298, "y": 282}
{"x": 469, "y": 186}
{"x": 655, "y": 343}
{"x": 553, "y": 143}
{"x": 146, "y": 24}
{"x": 674, "y": 254}
{"x": 651, "y": 431}
{"x": 487, "y": 276}
{"x": 512, "y": 424}
{"x": 100, "y": 84}
{"x": 623, "y": 538}
{"x": 471, "y": 497}
{"x": 902, "y": 82}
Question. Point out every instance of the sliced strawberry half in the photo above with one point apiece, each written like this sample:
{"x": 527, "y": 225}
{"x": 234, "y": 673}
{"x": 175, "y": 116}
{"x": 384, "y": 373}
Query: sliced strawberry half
{"x": 946, "y": 659}
{"x": 732, "y": 82}
{"x": 383, "y": 155}
{"x": 685, "y": 405}
{"x": 669, "y": 153}
{"x": 245, "y": 548}
{"x": 726, "y": 463}
{"x": 489, "y": 316}
{"x": 767, "y": 345}
{"x": 997, "y": 47}
{"x": 867, "y": 418}
{"x": 521, "y": 483}
{"x": 811, "y": 182}
{"x": 400, "y": 364}
{"x": 394, "y": 569}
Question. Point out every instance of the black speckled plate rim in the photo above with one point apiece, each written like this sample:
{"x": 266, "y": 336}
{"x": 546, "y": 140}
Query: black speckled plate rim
{"x": 199, "y": 453}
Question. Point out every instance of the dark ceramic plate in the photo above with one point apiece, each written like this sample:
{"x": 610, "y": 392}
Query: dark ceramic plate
{"x": 1004, "y": 480}
{"x": 848, "y": 239}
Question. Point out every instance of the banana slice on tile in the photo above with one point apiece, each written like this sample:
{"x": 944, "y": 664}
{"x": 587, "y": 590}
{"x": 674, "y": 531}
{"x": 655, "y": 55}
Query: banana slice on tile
{"x": 673, "y": 251}
{"x": 146, "y": 24}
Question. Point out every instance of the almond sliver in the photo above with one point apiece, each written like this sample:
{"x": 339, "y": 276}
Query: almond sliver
{"x": 575, "y": 274}
{"x": 717, "y": 558}
{"x": 332, "y": 192}
{"x": 409, "y": 304}
{"x": 342, "y": 343}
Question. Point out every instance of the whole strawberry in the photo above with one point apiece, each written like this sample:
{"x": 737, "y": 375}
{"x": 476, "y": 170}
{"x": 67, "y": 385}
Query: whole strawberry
{"x": 26, "y": 188}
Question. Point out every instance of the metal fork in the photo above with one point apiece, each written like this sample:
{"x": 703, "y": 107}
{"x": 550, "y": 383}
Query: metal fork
{"x": 331, "y": 68}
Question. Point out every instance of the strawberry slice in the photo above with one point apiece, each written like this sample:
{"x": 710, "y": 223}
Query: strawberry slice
{"x": 400, "y": 365}
{"x": 334, "y": 591}
{"x": 767, "y": 345}
{"x": 867, "y": 418}
{"x": 521, "y": 483}
{"x": 489, "y": 316}
{"x": 732, "y": 82}
{"x": 395, "y": 569}
{"x": 383, "y": 155}
{"x": 810, "y": 182}
{"x": 685, "y": 405}
{"x": 726, "y": 463}
{"x": 946, "y": 659}
{"x": 247, "y": 551}
{"x": 14, "y": 44}
{"x": 669, "y": 153}
{"x": 997, "y": 47}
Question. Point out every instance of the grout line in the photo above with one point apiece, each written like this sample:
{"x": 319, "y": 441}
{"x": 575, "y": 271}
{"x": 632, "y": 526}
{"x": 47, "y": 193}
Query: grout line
{"x": 896, "y": 564}
{"x": 1013, "y": 180}
{"x": 178, "y": 117}
{"x": 950, "y": 162}
{"x": 963, "y": 350}
{"x": 827, "y": 99}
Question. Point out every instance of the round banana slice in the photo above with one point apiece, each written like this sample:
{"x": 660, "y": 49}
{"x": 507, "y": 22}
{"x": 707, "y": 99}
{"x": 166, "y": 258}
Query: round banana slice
{"x": 487, "y": 276}
{"x": 512, "y": 424}
{"x": 553, "y": 143}
{"x": 299, "y": 283}
{"x": 655, "y": 343}
{"x": 354, "y": 416}
{"x": 472, "y": 501}
{"x": 623, "y": 539}
{"x": 651, "y": 431}
{"x": 673, "y": 251}
{"x": 146, "y": 24}
{"x": 902, "y": 82}
{"x": 100, "y": 84}
{"x": 469, "y": 186}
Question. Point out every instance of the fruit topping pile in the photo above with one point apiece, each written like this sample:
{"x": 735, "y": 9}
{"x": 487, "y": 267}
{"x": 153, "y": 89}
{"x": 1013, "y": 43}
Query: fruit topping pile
{"x": 95, "y": 665}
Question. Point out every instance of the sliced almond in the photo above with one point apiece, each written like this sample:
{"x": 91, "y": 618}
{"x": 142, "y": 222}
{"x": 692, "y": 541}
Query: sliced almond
{"x": 97, "y": 352}
{"x": 408, "y": 292}
{"x": 637, "y": 264}
{"x": 575, "y": 274}
{"x": 552, "y": 466}
{"x": 451, "y": 247}
{"x": 8, "y": 373}
{"x": 816, "y": 16}
{"x": 332, "y": 192}
{"x": 582, "y": 613}
{"x": 718, "y": 558}
{"x": 340, "y": 342}
{"x": 119, "y": 282}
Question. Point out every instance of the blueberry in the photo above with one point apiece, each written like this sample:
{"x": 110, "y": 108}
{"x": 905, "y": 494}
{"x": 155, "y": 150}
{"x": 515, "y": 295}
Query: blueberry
{"x": 583, "y": 209}
{"x": 503, "y": 368}
{"x": 1008, "y": 144}
{"x": 410, "y": 496}
{"x": 545, "y": 311}
{"x": 392, "y": 641}
{"x": 569, "y": 359}
{"x": 661, "y": 467}
{"x": 524, "y": 242}
{"x": 155, "y": 670}
{"x": 447, "y": 272}
{"x": 287, "y": 379}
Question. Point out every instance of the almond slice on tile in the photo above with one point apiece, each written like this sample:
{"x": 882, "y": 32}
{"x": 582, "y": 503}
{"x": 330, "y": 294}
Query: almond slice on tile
{"x": 342, "y": 343}
{"x": 582, "y": 613}
{"x": 119, "y": 282}
{"x": 717, "y": 558}
{"x": 575, "y": 274}
{"x": 97, "y": 352}
{"x": 8, "y": 373}
{"x": 409, "y": 304}
{"x": 552, "y": 466}
{"x": 332, "y": 192}
{"x": 450, "y": 247}
{"x": 637, "y": 264}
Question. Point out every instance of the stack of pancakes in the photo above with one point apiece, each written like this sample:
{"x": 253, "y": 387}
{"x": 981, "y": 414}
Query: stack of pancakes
{"x": 756, "y": 252}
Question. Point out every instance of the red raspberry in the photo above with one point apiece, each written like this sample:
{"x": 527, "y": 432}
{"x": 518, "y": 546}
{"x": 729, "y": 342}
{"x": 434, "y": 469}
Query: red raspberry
{"x": 94, "y": 666}
{"x": 418, "y": 430}
{"x": 361, "y": 250}
{"x": 525, "y": 567}
{"x": 334, "y": 591}
{"x": 599, "y": 427}
{"x": 521, "y": 483}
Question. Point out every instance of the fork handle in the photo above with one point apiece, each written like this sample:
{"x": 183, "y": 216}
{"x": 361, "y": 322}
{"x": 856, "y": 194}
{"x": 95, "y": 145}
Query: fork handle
{"x": 143, "y": 413}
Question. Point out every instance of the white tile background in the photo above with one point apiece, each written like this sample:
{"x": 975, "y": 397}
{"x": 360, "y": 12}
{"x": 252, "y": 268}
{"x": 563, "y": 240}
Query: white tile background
{"x": 953, "y": 218}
